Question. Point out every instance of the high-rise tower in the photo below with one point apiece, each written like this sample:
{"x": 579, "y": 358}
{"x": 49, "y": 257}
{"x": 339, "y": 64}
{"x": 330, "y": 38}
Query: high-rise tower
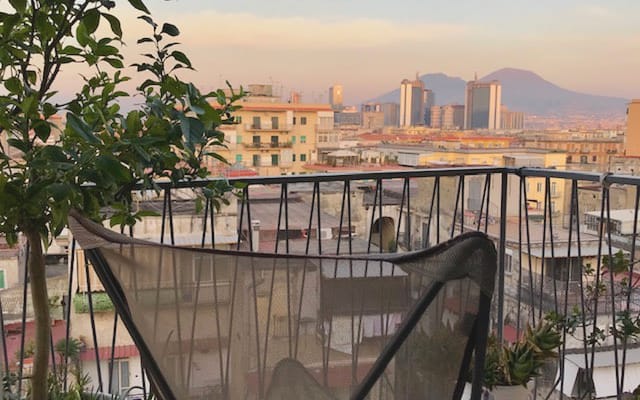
{"x": 482, "y": 105}
{"x": 412, "y": 99}
{"x": 335, "y": 97}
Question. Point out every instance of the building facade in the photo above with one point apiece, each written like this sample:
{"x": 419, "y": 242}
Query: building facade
{"x": 275, "y": 138}
{"x": 412, "y": 106}
{"x": 632, "y": 138}
{"x": 335, "y": 97}
{"x": 482, "y": 105}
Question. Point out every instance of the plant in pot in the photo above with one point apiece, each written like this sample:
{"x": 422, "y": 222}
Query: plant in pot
{"x": 103, "y": 152}
{"x": 509, "y": 367}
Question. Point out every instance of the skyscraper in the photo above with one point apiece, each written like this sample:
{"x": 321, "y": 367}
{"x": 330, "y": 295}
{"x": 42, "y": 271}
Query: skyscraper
{"x": 335, "y": 97}
{"x": 482, "y": 105}
{"x": 429, "y": 100}
{"x": 412, "y": 99}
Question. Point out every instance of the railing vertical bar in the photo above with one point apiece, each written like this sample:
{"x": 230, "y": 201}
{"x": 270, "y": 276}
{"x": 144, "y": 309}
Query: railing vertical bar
{"x": 529, "y": 261}
{"x": 543, "y": 259}
{"x": 632, "y": 262}
{"x": 5, "y": 356}
{"x": 113, "y": 351}
{"x": 286, "y": 244}
{"x": 605, "y": 189}
{"x": 408, "y": 222}
{"x": 553, "y": 254}
{"x": 67, "y": 333}
{"x": 519, "y": 293}
{"x": 204, "y": 224}
{"x": 501, "y": 255}
{"x": 455, "y": 207}
{"x": 93, "y": 324}
{"x": 572, "y": 206}
{"x": 225, "y": 386}
{"x": 612, "y": 292}
{"x": 254, "y": 283}
{"x": 273, "y": 281}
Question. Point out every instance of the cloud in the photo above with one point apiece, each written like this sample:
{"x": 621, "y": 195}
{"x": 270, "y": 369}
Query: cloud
{"x": 597, "y": 11}
{"x": 215, "y": 29}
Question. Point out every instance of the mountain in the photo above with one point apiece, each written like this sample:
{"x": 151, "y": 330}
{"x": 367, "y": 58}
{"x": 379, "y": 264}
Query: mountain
{"x": 526, "y": 91}
{"x": 522, "y": 90}
{"x": 447, "y": 89}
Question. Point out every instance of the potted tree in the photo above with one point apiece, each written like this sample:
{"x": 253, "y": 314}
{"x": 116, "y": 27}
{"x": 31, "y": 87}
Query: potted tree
{"x": 103, "y": 151}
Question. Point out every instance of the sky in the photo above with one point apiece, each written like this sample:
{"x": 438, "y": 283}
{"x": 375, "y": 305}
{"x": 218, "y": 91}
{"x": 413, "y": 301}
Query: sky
{"x": 370, "y": 46}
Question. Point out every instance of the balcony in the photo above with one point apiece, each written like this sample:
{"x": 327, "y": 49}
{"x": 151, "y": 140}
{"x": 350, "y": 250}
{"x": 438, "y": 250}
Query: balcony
{"x": 359, "y": 213}
{"x": 269, "y": 145}
{"x": 263, "y": 127}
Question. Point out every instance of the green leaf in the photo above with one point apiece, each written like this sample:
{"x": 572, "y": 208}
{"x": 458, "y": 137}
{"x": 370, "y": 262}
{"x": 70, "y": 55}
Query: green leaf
{"x": 42, "y": 130}
{"x": 91, "y": 20}
{"x": 81, "y": 128}
{"x": 110, "y": 165}
{"x": 139, "y": 5}
{"x": 149, "y": 20}
{"x": 114, "y": 62}
{"x": 13, "y": 85}
{"x": 19, "y": 5}
{"x": 82, "y": 36}
{"x": 180, "y": 56}
{"x": 145, "y": 40}
{"x": 114, "y": 22}
{"x": 170, "y": 29}
{"x": 71, "y": 50}
{"x": 58, "y": 191}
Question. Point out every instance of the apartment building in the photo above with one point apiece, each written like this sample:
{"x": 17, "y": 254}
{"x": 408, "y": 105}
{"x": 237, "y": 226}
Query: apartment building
{"x": 274, "y": 138}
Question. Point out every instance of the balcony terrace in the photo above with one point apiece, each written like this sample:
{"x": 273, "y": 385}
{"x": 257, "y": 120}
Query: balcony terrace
{"x": 553, "y": 263}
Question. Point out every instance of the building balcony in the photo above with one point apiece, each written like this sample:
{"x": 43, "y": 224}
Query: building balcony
{"x": 547, "y": 265}
{"x": 268, "y": 127}
{"x": 268, "y": 145}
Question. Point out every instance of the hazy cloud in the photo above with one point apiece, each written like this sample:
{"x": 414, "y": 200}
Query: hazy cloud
{"x": 212, "y": 28}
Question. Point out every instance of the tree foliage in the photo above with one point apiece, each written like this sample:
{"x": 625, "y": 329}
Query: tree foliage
{"x": 103, "y": 152}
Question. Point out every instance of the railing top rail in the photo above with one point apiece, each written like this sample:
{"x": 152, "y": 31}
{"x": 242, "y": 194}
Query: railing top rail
{"x": 607, "y": 178}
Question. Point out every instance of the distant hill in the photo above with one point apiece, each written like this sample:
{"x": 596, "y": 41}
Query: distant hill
{"x": 522, "y": 91}
{"x": 447, "y": 89}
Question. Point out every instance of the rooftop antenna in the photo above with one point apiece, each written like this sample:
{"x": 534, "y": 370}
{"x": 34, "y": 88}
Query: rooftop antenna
{"x": 475, "y": 76}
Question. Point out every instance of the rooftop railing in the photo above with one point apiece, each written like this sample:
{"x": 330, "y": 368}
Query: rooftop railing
{"x": 551, "y": 264}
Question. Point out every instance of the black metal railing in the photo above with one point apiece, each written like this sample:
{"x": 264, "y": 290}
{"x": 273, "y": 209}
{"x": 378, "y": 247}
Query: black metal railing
{"x": 549, "y": 263}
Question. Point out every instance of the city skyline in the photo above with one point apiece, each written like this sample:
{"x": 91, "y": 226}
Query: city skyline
{"x": 368, "y": 47}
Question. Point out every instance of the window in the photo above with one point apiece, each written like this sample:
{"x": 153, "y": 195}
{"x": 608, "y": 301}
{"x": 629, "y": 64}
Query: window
{"x": 120, "y": 377}
{"x": 584, "y": 160}
{"x": 539, "y": 187}
{"x": 303, "y": 157}
{"x": 256, "y": 141}
{"x": 238, "y": 139}
{"x": 274, "y": 160}
{"x": 238, "y": 119}
{"x": 554, "y": 188}
{"x": 2, "y": 281}
{"x": 293, "y": 157}
{"x": 294, "y": 120}
{"x": 594, "y": 158}
{"x": 508, "y": 261}
{"x": 303, "y": 139}
{"x": 274, "y": 141}
{"x": 274, "y": 123}
{"x": 303, "y": 120}
{"x": 256, "y": 160}
{"x": 256, "y": 123}
{"x": 238, "y": 158}
{"x": 293, "y": 140}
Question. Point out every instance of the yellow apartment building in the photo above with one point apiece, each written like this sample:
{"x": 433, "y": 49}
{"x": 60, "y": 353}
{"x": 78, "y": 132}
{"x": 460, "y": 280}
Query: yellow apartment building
{"x": 632, "y": 139}
{"x": 590, "y": 150}
{"x": 273, "y": 138}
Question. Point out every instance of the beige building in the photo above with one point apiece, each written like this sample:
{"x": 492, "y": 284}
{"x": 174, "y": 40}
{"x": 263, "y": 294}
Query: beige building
{"x": 511, "y": 119}
{"x": 632, "y": 140}
{"x": 273, "y": 138}
{"x": 585, "y": 150}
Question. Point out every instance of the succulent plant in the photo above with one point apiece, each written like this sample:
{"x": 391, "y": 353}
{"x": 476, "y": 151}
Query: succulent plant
{"x": 517, "y": 363}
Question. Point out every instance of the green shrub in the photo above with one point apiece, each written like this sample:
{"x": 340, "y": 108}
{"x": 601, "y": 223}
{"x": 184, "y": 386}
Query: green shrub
{"x": 101, "y": 303}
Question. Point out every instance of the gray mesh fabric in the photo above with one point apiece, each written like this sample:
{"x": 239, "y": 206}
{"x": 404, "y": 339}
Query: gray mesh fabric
{"x": 237, "y": 325}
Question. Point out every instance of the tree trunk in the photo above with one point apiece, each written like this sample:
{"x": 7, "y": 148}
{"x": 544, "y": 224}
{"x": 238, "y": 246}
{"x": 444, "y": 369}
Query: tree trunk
{"x": 40, "y": 300}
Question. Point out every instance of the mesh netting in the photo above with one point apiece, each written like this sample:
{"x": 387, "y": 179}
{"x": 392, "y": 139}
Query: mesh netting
{"x": 236, "y": 325}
